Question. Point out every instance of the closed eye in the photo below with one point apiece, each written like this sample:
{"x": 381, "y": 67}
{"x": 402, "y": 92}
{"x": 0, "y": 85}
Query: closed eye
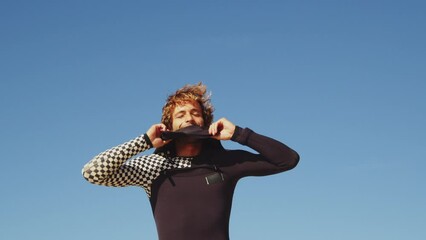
{"x": 196, "y": 113}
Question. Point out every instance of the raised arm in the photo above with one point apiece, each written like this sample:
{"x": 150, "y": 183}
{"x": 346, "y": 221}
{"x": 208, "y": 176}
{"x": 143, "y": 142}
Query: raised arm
{"x": 105, "y": 168}
{"x": 111, "y": 167}
{"x": 270, "y": 149}
{"x": 274, "y": 156}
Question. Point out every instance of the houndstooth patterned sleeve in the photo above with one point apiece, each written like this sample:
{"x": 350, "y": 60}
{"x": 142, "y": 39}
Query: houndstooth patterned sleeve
{"x": 109, "y": 169}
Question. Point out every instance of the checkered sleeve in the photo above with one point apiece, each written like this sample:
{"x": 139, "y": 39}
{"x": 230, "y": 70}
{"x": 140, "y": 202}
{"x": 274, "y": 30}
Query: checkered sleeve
{"x": 111, "y": 168}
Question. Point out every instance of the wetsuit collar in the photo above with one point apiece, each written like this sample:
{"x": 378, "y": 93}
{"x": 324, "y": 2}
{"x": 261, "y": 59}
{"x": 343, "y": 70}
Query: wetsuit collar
{"x": 193, "y": 131}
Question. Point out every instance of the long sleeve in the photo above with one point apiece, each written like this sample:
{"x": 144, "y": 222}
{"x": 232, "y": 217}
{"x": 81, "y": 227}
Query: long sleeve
{"x": 273, "y": 157}
{"x": 117, "y": 167}
{"x": 109, "y": 168}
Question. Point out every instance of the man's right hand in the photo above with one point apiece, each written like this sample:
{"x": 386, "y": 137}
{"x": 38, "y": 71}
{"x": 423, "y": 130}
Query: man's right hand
{"x": 154, "y": 134}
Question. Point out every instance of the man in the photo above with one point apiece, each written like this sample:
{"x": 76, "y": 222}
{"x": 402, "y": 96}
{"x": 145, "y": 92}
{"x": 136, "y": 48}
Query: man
{"x": 190, "y": 178}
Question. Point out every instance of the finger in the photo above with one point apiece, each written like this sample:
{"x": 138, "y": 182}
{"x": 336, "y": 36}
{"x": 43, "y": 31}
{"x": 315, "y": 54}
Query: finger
{"x": 215, "y": 130}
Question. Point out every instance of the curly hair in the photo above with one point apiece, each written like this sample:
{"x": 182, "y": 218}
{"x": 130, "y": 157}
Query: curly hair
{"x": 188, "y": 93}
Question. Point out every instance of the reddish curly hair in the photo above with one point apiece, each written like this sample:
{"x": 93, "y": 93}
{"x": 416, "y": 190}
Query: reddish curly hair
{"x": 188, "y": 93}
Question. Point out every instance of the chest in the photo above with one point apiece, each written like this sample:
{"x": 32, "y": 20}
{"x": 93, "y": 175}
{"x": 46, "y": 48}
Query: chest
{"x": 190, "y": 186}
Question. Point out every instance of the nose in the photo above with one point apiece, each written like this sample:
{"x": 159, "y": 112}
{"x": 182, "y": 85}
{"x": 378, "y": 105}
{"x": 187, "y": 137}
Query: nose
{"x": 189, "y": 118}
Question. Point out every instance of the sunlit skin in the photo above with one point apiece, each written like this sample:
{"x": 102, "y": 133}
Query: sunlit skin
{"x": 187, "y": 114}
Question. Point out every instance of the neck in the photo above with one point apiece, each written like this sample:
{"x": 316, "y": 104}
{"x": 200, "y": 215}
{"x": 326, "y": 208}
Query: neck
{"x": 186, "y": 149}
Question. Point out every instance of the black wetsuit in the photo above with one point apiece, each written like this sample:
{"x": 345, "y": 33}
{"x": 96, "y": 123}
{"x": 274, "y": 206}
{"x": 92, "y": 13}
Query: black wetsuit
{"x": 191, "y": 198}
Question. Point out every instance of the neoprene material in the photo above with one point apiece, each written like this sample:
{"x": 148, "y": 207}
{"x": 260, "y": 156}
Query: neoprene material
{"x": 191, "y": 197}
{"x": 192, "y": 131}
{"x": 195, "y": 203}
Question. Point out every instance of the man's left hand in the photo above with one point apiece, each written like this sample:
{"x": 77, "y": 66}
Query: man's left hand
{"x": 222, "y": 129}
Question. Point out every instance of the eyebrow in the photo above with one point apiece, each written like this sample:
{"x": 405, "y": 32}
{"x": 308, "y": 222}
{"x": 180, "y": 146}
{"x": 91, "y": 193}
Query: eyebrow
{"x": 182, "y": 111}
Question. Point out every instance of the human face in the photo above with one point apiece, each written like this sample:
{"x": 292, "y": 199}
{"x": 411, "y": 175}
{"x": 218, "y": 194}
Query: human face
{"x": 187, "y": 114}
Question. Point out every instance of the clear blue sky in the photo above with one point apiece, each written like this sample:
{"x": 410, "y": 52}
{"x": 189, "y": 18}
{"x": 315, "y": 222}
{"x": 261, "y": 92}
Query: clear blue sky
{"x": 342, "y": 82}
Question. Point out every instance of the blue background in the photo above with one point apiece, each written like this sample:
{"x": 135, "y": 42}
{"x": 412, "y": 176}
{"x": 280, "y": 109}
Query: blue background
{"x": 341, "y": 82}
